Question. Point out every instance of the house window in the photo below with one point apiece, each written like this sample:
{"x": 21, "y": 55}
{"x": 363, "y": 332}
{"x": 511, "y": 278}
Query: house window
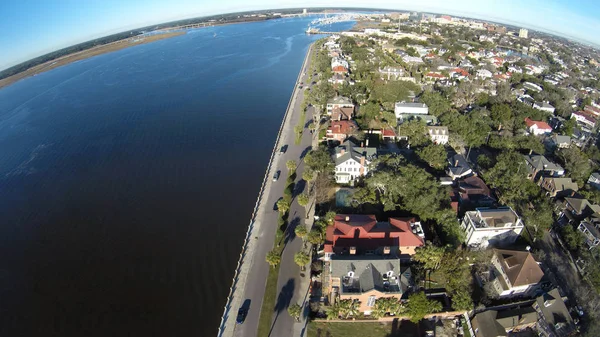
{"x": 371, "y": 301}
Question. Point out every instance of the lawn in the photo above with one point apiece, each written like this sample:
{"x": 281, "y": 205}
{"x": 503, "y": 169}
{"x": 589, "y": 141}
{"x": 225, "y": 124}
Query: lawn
{"x": 268, "y": 305}
{"x": 362, "y": 329}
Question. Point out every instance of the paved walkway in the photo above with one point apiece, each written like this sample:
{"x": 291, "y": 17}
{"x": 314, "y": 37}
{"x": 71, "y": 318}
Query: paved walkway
{"x": 249, "y": 282}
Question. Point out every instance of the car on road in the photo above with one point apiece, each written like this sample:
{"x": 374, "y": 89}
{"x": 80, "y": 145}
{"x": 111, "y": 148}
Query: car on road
{"x": 243, "y": 312}
{"x": 276, "y": 175}
{"x": 283, "y": 149}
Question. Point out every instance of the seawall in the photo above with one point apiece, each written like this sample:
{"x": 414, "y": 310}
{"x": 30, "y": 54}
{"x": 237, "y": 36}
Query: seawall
{"x": 236, "y": 290}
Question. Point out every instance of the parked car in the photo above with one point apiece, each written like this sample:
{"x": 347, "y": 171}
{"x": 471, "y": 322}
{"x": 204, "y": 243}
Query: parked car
{"x": 283, "y": 149}
{"x": 241, "y": 316}
{"x": 276, "y": 175}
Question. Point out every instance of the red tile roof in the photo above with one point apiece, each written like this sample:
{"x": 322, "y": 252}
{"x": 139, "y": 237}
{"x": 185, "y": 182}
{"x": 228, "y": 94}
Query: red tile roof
{"x": 362, "y": 231}
{"x": 342, "y": 127}
{"x": 461, "y": 71}
{"x": 389, "y": 132}
{"x": 435, "y": 75}
{"x": 592, "y": 109}
{"x": 541, "y": 125}
{"x": 340, "y": 69}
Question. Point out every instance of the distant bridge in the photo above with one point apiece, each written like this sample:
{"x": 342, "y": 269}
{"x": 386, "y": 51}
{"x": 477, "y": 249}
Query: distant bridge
{"x": 190, "y": 26}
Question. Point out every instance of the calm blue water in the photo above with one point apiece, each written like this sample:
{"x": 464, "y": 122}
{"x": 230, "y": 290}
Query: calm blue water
{"x": 127, "y": 180}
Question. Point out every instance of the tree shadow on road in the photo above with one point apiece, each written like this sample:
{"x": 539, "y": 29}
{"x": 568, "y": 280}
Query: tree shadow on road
{"x": 283, "y": 300}
{"x": 299, "y": 187}
{"x": 305, "y": 152}
{"x": 290, "y": 232}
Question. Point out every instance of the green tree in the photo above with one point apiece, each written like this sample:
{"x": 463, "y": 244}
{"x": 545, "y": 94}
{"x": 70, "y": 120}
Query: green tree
{"x": 462, "y": 300}
{"x": 295, "y": 310}
{"x": 315, "y": 237}
{"x": 386, "y": 305}
{"x": 434, "y": 155}
{"x": 430, "y": 256}
{"x": 303, "y": 199}
{"x": 419, "y": 306}
{"x": 273, "y": 258}
{"x": 436, "y": 103}
{"x": 283, "y": 206}
{"x": 301, "y": 259}
{"x": 509, "y": 177}
{"x": 300, "y": 231}
{"x": 308, "y": 175}
{"x": 291, "y": 165}
{"x": 416, "y": 132}
{"x": 568, "y": 127}
{"x": 538, "y": 217}
{"x": 576, "y": 163}
{"x": 501, "y": 114}
{"x": 318, "y": 160}
{"x": 573, "y": 238}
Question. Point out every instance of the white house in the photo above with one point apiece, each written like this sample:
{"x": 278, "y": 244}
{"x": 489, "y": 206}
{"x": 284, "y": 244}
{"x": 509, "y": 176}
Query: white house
{"x": 339, "y": 62}
{"x": 484, "y": 73}
{"x": 352, "y": 161}
{"x": 410, "y": 108}
{"x": 438, "y": 134}
{"x": 339, "y": 102}
{"x": 532, "y": 86}
{"x": 537, "y": 127}
{"x": 516, "y": 273}
{"x": 491, "y": 226}
{"x": 584, "y": 118}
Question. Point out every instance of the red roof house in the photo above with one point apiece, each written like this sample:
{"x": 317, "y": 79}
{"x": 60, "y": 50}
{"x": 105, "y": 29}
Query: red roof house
{"x": 340, "y": 130}
{"x": 537, "y": 127}
{"x": 354, "y": 234}
{"x": 339, "y": 69}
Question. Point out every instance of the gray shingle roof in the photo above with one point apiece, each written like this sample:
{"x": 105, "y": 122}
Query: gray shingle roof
{"x": 369, "y": 271}
{"x": 353, "y": 151}
{"x": 540, "y": 163}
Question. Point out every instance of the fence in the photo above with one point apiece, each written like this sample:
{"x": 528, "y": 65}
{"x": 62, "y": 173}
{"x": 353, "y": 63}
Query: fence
{"x": 259, "y": 199}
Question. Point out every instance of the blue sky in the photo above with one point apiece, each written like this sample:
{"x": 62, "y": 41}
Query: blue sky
{"x": 30, "y": 28}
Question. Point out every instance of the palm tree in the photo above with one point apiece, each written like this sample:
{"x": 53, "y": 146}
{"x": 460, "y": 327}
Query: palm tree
{"x": 314, "y": 237}
{"x": 291, "y": 165}
{"x": 386, "y": 305}
{"x": 308, "y": 175}
{"x": 301, "y": 259}
{"x": 295, "y": 310}
{"x": 300, "y": 231}
{"x": 283, "y": 206}
{"x": 273, "y": 258}
{"x": 303, "y": 199}
{"x": 348, "y": 308}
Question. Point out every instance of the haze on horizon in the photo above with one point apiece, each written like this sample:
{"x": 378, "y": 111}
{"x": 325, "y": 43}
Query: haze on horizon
{"x": 37, "y": 27}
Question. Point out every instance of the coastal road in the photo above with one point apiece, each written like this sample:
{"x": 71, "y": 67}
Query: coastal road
{"x": 255, "y": 277}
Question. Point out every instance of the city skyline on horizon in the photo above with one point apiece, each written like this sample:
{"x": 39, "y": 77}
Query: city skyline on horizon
{"x": 100, "y": 19}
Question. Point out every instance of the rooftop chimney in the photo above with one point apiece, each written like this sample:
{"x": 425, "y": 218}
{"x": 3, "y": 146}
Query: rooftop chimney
{"x": 342, "y": 151}
{"x": 352, "y": 250}
{"x": 456, "y": 163}
{"x": 347, "y": 218}
{"x": 386, "y": 250}
{"x": 367, "y": 142}
{"x": 362, "y": 144}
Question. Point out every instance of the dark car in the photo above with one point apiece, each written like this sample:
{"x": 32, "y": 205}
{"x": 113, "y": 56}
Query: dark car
{"x": 243, "y": 312}
{"x": 283, "y": 149}
{"x": 241, "y": 316}
{"x": 276, "y": 175}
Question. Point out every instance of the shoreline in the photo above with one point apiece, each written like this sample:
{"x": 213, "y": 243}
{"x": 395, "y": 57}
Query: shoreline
{"x": 85, "y": 54}
{"x": 227, "y": 325}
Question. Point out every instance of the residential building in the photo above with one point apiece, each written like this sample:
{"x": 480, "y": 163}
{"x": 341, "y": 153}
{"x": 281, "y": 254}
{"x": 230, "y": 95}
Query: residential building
{"x": 514, "y": 273}
{"x": 428, "y": 119}
{"x": 590, "y": 228}
{"x": 355, "y": 234}
{"x": 554, "y": 319}
{"x": 473, "y": 193}
{"x": 575, "y": 209}
{"x": 523, "y": 33}
{"x": 544, "y": 106}
{"x": 367, "y": 278}
{"x": 392, "y": 72}
{"x": 584, "y": 119}
{"x": 593, "y": 110}
{"x": 438, "y": 134}
{"x": 560, "y": 142}
{"x": 538, "y": 166}
{"x": 458, "y": 167}
{"x": 537, "y": 128}
{"x": 484, "y": 73}
{"x": 558, "y": 187}
{"x": 495, "y": 323}
{"x": 352, "y": 161}
{"x": 341, "y": 130}
{"x": 339, "y": 102}
{"x": 338, "y": 62}
{"x": 532, "y": 86}
{"x": 594, "y": 180}
{"x": 491, "y": 226}
{"x": 401, "y": 108}
{"x": 341, "y": 114}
